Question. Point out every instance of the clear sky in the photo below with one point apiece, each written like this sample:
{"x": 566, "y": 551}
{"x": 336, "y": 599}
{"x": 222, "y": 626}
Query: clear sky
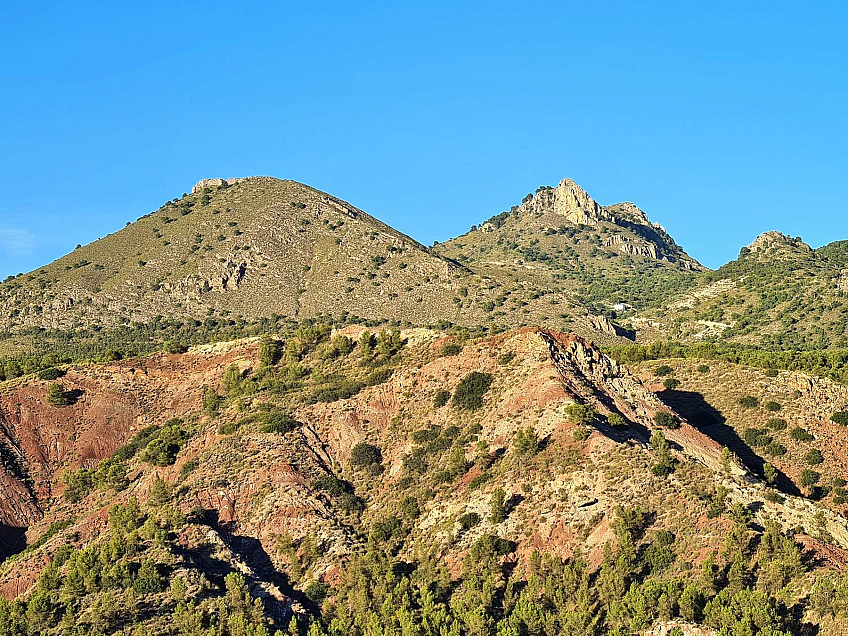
{"x": 720, "y": 120}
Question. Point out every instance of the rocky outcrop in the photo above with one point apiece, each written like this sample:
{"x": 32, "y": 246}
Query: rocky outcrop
{"x": 568, "y": 200}
{"x": 628, "y": 247}
{"x": 216, "y": 183}
{"x": 772, "y": 241}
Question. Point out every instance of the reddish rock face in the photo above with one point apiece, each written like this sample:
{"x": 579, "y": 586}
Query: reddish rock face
{"x": 111, "y": 403}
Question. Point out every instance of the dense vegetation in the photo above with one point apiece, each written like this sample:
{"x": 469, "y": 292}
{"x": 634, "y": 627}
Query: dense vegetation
{"x": 828, "y": 363}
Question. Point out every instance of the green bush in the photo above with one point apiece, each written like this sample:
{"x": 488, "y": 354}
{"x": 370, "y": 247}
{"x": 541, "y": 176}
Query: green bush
{"x": 813, "y": 457}
{"x": 442, "y": 398}
{"x": 801, "y": 435}
{"x": 468, "y": 520}
{"x": 450, "y": 349}
{"x": 666, "y": 420}
{"x": 703, "y": 368}
{"x": 506, "y": 358}
{"x": 749, "y": 402}
{"x": 363, "y": 455}
{"x": 777, "y": 424}
{"x": 278, "y": 422}
{"x": 51, "y": 373}
{"x": 525, "y": 442}
{"x": 840, "y": 418}
{"x": 775, "y": 450}
{"x": 772, "y": 406}
{"x": 809, "y": 478}
{"x": 616, "y": 420}
{"x": 663, "y": 370}
{"x": 316, "y": 591}
{"x": 57, "y": 396}
{"x": 581, "y": 414}
{"x": 162, "y": 449}
{"x": 469, "y": 393}
{"x": 671, "y": 384}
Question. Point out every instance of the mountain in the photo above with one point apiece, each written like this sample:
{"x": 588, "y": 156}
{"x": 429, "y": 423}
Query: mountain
{"x": 520, "y": 482}
{"x": 242, "y": 247}
{"x": 260, "y": 410}
{"x": 560, "y": 237}
{"x": 257, "y": 247}
{"x": 778, "y": 293}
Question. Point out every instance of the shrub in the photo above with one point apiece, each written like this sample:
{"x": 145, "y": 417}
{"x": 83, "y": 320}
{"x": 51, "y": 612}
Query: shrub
{"x": 497, "y": 506}
{"x": 378, "y": 376}
{"x": 270, "y": 351}
{"x": 703, "y": 368}
{"x": 442, "y": 398}
{"x": 468, "y": 520}
{"x": 175, "y": 346}
{"x": 506, "y": 358}
{"x": 163, "y": 448}
{"x": 840, "y": 418}
{"x": 616, "y": 420}
{"x": 663, "y": 370}
{"x": 671, "y": 383}
{"x": 775, "y": 450}
{"x": 749, "y": 402}
{"x": 813, "y": 457}
{"x": 450, "y": 349}
{"x": 771, "y": 373}
{"x": 278, "y": 422}
{"x": 770, "y": 473}
{"x": 410, "y": 507}
{"x": 800, "y": 434}
{"x": 777, "y": 424}
{"x": 479, "y": 480}
{"x": 51, "y": 373}
{"x": 772, "y": 406}
{"x": 385, "y": 529}
{"x": 580, "y": 434}
{"x": 363, "y": 455}
{"x": 212, "y": 402}
{"x": 468, "y": 394}
{"x": 658, "y": 557}
{"x": 56, "y": 395}
{"x": 666, "y": 419}
{"x": 228, "y": 428}
{"x": 316, "y": 591}
{"x": 525, "y": 442}
{"x": 582, "y": 414}
{"x": 809, "y": 478}
{"x": 189, "y": 467}
{"x": 756, "y": 437}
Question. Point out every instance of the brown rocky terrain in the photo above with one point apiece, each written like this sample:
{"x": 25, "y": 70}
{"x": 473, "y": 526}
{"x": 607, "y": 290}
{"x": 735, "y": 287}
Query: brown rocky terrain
{"x": 250, "y": 493}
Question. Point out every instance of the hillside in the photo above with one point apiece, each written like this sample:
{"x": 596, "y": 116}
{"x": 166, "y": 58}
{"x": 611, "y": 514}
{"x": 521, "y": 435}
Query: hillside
{"x": 247, "y": 247}
{"x": 258, "y": 247}
{"x": 521, "y": 483}
{"x": 779, "y": 293}
{"x": 604, "y": 256}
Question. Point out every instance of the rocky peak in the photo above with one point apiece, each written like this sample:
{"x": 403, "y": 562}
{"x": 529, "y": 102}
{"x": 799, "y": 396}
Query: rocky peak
{"x": 772, "y": 241}
{"x": 568, "y": 200}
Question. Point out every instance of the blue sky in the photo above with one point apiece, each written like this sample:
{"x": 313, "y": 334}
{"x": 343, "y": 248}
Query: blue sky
{"x": 720, "y": 121}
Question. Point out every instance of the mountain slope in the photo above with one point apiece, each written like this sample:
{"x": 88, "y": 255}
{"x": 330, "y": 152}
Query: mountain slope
{"x": 379, "y": 487}
{"x": 259, "y": 246}
{"x": 562, "y": 238}
{"x": 251, "y": 247}
{"x": 779, "y": 293}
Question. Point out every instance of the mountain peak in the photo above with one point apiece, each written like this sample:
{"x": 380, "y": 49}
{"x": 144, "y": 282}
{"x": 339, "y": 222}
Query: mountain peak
{"x": 773, "y": 241}
{"x": 568, "y": 199}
